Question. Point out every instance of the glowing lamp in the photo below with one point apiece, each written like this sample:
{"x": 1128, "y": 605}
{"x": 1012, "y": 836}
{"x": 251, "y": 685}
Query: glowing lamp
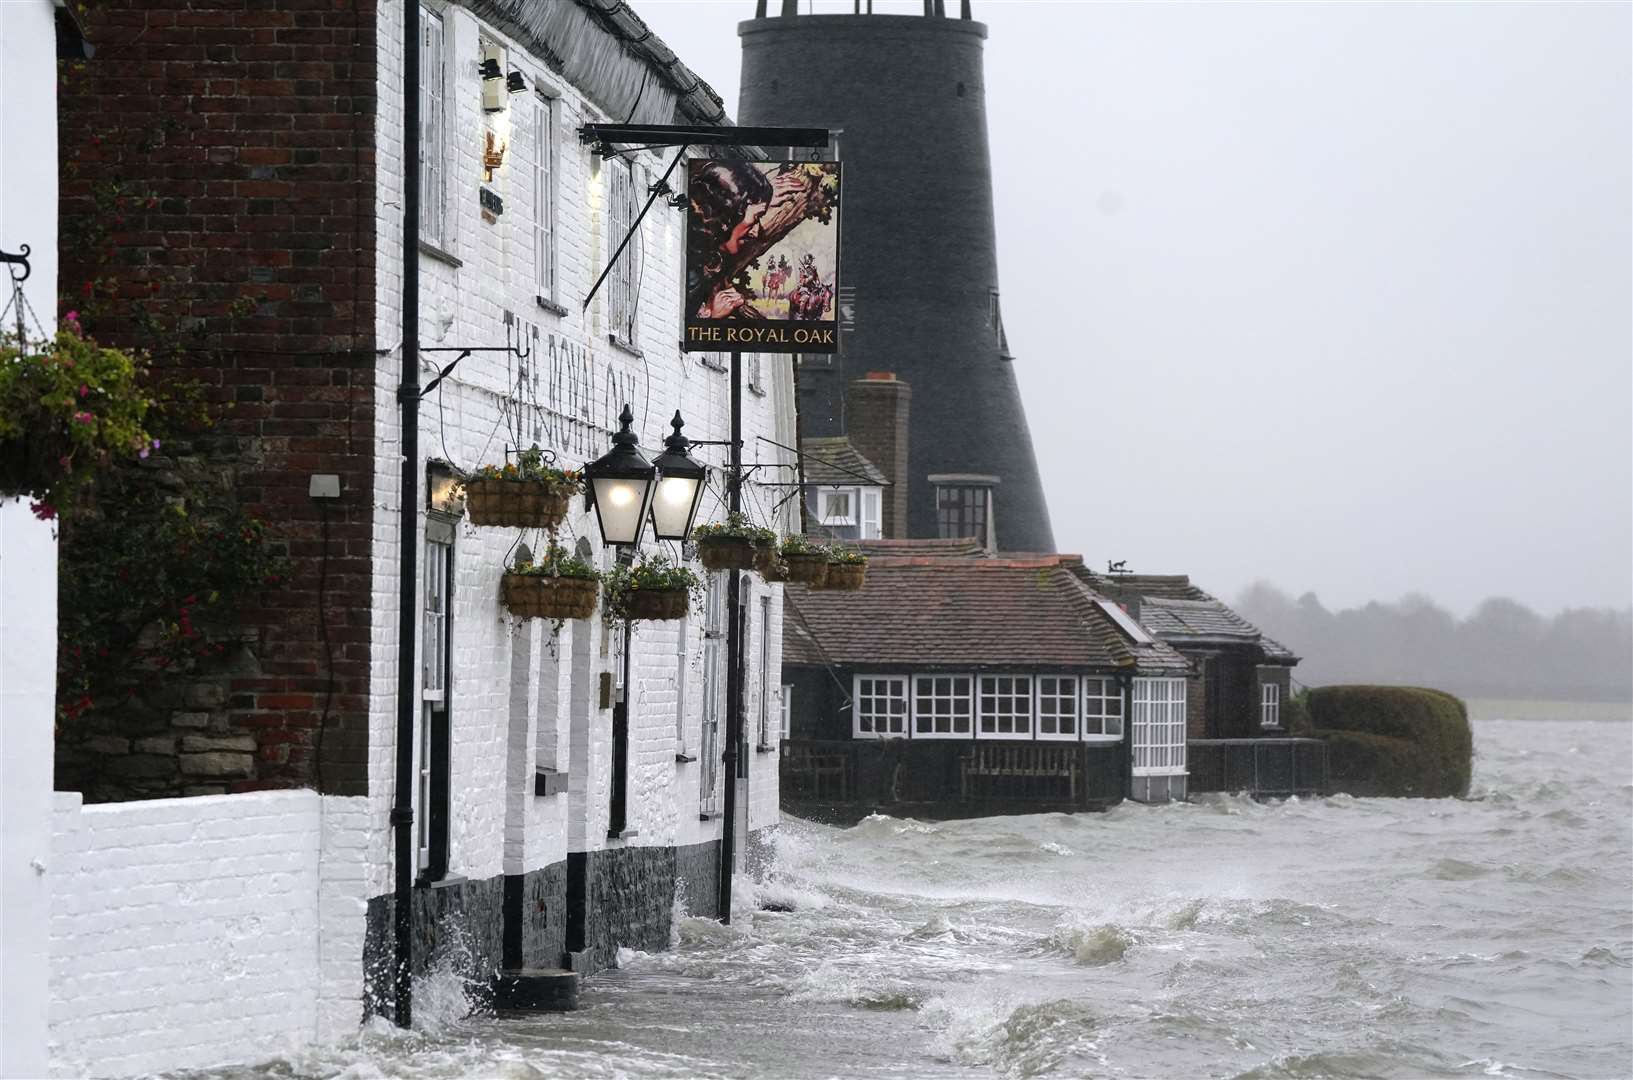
{"x": 680, "y": 486}
{"x": 619, "y": 486}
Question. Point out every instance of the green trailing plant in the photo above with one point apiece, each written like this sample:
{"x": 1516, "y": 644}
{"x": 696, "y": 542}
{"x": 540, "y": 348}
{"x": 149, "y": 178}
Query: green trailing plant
{"x": 557, "y": 562}
{"x": 153, "y": 585}
{"x": 652, "y": 573}
{"x": 69, "y": 408}
{"x": 531, "y": 465}
{"x": 737, "y": 526}
{"x": 800, "y": 544}
{"x": 844, "y": 556}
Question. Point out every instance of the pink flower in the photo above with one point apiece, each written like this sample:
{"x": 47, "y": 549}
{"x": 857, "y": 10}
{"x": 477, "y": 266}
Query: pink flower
{"x": 143, "y": 453}
{"x": 84, "y": 417}
{"x": 72, "y": 316}
{"x": 64, "y": 461}
{"x": 155, "y": 444}
{"x": 43, "y": 511}
{"x": 84, "y": 390}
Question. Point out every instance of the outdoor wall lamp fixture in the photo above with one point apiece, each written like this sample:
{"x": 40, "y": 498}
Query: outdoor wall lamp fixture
{"x": 619, "y": 486}
{"x": 444, "y": 491}
{"x": 493, "y": 78}
{"x": 680, "y": 486}
{"x": 514, "y": 82}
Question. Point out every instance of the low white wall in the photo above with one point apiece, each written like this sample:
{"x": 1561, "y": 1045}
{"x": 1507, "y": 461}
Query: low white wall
{"x": 193, "y": 932}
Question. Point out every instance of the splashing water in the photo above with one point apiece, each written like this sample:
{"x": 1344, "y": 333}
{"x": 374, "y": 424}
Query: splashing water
{"x": 1331, "y": 937}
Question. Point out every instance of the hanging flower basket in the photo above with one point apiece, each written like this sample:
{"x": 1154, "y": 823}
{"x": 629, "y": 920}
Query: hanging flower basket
{"x": 562, "y": 586}
{"x": 775, "y": 569}
{"x": 804, "y": 561}
{"x": 844, "y": 578}
{"x": 524, "y": 494}
{"x": 735, "y": 544}
{"x": 68, "y": 408}
{"x": 532, "y": 596}
{"x": 809, "y": 569}
{"x": 657, "y": 605}
{"x": 847, "y": 570}
{"x": 653, "y": 589}
{"x": 720, "y": 552}
{"x": 522, "y": 504}
{"x": 765, "y": 560}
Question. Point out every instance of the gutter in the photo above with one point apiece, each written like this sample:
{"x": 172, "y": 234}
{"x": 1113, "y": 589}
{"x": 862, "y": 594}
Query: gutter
{"x": 408, "y": 399}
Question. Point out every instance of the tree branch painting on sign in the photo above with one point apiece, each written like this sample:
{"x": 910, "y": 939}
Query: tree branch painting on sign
{"x": 762, "y": 256}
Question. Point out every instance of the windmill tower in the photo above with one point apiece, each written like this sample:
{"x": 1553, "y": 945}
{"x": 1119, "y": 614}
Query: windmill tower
{"x": 920, "y": 267}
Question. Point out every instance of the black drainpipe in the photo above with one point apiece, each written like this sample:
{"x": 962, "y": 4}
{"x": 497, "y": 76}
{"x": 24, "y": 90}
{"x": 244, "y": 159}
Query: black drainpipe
{"x": 408, "y": 398}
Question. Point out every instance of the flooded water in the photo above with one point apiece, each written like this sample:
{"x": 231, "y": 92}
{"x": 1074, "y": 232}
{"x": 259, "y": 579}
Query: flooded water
{"x": 1225, "y": 938}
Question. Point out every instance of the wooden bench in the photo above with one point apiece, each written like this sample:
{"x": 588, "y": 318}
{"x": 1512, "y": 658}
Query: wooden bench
{"x": 1024, "y": 762}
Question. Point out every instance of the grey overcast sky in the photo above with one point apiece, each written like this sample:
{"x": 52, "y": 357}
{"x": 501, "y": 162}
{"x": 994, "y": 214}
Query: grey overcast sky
{"x": 1331, "y": 295}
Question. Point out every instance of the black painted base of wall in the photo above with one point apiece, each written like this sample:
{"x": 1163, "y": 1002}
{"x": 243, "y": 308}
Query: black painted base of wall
{"x": 577, "y": 913}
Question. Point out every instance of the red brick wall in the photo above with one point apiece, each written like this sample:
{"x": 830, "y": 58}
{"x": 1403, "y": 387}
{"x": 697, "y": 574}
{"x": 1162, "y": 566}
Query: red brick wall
{"x": 242, "y": 136}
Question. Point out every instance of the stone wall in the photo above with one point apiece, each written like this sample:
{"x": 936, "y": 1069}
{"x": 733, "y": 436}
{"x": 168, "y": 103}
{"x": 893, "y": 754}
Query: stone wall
{"x": 187, "y": 932}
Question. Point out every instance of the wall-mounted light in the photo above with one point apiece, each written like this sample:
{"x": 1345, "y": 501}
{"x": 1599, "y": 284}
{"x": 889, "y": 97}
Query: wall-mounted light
{"x": 680, "y": 486}
{"x": 514, "y": 82}
{"x": 619, "y": 486}
{"x": 493, "y": 78}
{"x": 444, "y": 488}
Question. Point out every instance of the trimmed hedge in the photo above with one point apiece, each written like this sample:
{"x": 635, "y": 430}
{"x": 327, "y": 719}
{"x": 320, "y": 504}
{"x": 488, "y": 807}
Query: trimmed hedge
{"x": 1394, "y": 740}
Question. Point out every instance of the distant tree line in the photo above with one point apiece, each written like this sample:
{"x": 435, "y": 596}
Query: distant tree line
{"x": 1502, "y": 650}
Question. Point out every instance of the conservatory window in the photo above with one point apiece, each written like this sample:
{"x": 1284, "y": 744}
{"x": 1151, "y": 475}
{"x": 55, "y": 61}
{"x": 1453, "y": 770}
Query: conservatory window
{"x": 1159, "y": 727}
{"x": 1102, "y": 709}
{"x": 942, "y": 706}
{"x": 880, "y": 706}
{"x": 1058, "y": 710}
{"x": 1006, "y": 706}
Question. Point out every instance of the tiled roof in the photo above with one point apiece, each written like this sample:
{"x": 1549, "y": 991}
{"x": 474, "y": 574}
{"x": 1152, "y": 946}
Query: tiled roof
{"x": 934, "y": 611}
{"x": 1177, "y": 611}
{"x": 967, "y": 547}
{"x": 833, "y": 460}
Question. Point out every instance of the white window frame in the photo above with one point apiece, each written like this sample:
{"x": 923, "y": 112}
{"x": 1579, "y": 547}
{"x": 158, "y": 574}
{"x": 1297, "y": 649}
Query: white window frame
{"x": 786, "y": 708}
{"x": 433, "y": 129}
{"x": 1066, "y": 690}
{"x": 1270, "y": 705}
{"x": 868, "y": 693}
{"x": 1158, "y": 727}
{"x": 934, "y": 695}
{"x": 624, "y": 282}
{"x": 765, "y": 671}
{"x": 681, "y": 655}
{"x": 756, "y": 375}
{"x": 827, "y": 517}
{"x": 1017, "y": 690}
{"x": 544, "y": 195}
{"x": 714, "y": 669}
{"x": 436, "y": 611}
{"x": 1102, "y": 709}
{"x": 870, "y": 526}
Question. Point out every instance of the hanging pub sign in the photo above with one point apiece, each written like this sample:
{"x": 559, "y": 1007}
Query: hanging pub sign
{"x": 762, "y": 256}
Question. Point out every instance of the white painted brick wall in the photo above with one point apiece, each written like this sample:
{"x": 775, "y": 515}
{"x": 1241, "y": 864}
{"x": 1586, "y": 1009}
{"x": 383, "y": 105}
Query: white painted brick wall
{"x": 496, "y": 827}
{"x": 191, "y": 932}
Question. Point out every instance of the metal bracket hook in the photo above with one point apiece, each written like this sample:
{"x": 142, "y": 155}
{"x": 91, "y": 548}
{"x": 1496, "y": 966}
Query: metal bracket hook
{"x": 20, "y": 259}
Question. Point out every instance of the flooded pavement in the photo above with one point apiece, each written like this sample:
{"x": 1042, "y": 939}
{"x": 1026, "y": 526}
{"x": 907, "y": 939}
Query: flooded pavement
{"x": 1332, "y": 937}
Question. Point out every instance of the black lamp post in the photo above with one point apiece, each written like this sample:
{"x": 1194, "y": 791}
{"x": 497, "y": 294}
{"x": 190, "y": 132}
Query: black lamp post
{"x": 619, "y": 486}
{"x": 680, "y": 486}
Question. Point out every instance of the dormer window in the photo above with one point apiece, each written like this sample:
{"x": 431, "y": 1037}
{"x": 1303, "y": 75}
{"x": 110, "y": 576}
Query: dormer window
{"x": 964, "y": 507}
{"x": 838, "y": 507}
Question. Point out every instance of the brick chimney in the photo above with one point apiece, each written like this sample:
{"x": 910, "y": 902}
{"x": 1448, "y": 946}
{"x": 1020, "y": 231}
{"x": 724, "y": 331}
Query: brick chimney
{"x": 876, "y": 407}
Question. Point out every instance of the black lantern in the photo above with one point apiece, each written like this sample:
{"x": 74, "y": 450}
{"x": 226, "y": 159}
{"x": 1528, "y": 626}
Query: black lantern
{"x": 514, "y": 82}
{"x": 680, "y": 486}
{"x": 619, "y": 486}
